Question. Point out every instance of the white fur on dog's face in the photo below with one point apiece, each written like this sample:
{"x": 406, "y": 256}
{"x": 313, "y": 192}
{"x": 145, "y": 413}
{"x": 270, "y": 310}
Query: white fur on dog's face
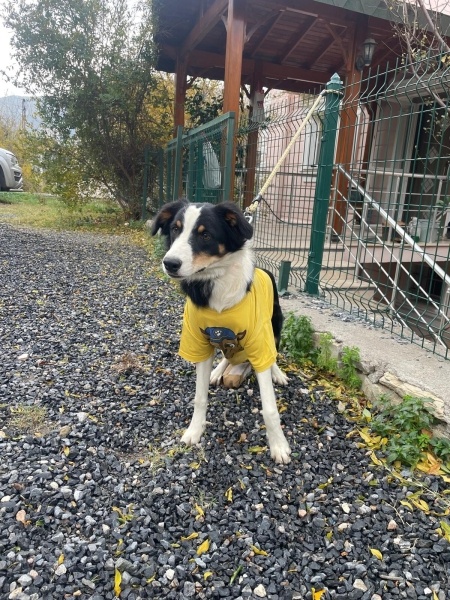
{"x": 181, "y": 248}
{"x": 195, "y": 244}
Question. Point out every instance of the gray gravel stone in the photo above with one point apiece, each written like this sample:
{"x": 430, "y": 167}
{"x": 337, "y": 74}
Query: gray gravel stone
{"x": 115, "y": 489}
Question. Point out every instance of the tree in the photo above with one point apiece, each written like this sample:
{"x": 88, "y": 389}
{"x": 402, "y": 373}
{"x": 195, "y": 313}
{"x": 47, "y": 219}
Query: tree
{"x": 204, "y": 101}
{"x": 91, "y": 65}
{"x": 425, "y": 45}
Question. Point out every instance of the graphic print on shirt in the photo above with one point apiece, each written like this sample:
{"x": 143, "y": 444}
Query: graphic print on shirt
{"x": 224, "y": 339}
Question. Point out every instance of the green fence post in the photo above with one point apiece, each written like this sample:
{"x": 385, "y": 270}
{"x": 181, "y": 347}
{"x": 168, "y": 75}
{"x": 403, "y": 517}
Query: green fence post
{"x": 169, "y": 160}
{"x": 283, "y": 276}
{"x": 145, "y": 183}
{"x": 323, "y": 185}
{"x": 161, "y": 176}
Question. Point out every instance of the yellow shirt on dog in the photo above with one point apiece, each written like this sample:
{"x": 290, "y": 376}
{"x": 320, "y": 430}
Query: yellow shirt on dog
{"x": 243, "y": 332}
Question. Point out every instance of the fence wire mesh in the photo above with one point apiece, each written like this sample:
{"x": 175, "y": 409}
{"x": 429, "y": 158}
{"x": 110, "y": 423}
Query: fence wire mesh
{"x": 197, "y": 163}
{"x": 282, "y": 225}
{"x": 387, "y": 248}
{"x": 386, "y": 251}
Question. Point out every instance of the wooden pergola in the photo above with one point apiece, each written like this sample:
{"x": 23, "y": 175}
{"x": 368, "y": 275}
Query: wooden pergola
{"x": 292, "y": 45}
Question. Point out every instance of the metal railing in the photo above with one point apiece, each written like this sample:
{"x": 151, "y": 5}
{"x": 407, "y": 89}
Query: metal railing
{"x": 390, "y": 256}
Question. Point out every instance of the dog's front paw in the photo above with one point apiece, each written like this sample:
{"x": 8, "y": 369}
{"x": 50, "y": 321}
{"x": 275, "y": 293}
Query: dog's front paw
{"x": 216, "y": 376}
{"x": 278, "y": 376}
{"x": 217, "y": 373}
{"x": 280, "y": 452}
{"x": 192, "y": 435}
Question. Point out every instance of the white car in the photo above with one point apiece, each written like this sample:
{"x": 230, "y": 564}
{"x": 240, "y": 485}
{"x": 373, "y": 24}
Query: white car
{"x": 10, "y": 172}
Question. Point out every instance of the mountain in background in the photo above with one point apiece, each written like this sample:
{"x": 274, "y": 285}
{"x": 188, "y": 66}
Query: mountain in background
{"x": 17, "y": 108}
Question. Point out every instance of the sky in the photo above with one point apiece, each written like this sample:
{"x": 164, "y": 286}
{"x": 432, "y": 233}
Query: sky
{"x": 6, "y": 89}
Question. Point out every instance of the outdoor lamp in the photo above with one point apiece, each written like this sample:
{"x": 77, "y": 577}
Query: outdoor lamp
{"x": 365, "y": 59}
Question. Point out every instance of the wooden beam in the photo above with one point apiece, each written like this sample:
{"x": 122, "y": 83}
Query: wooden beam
{"x": 254, "y": 28}
{"x": 210, "y": 17}
{"x": 338, "y": 38}
{"x": 271, "y": 21}
{"x": 200, "y": 60}
{"x": 296, "y": 38}
{"x": 325, "y": 47}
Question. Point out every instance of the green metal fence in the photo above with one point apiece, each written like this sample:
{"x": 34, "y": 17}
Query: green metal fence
{"x": 198, "y": 162}
{"x": 384, "y": 254}
{"x": 364, "y": 221}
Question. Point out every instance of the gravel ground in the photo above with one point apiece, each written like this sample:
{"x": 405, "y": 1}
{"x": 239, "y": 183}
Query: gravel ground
{"x": 96, "y": 490}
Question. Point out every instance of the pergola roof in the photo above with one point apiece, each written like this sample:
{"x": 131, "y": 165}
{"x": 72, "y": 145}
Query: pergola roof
{"x": 297, "y": 44}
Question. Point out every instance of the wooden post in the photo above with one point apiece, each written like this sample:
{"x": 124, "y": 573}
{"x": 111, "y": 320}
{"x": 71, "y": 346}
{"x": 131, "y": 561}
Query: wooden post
{"x": 236, "y": 25}
{"x": 180, "y": 93}
{"x": 347, "y": 126}
{"x": 178, "y": 118}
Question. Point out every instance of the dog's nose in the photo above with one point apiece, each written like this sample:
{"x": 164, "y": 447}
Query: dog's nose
{"x": 172, "y": 264}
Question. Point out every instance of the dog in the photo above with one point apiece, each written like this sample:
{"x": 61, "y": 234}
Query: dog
{"x": 230, "y": 305}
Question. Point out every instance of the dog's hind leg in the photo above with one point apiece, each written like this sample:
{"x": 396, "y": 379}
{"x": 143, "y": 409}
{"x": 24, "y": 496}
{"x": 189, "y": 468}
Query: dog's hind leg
{"x": 216, "y": 375}
{"x": 194, "y": 432}
{"x": 278, "y": 376}
{"x": 279, "y": 447}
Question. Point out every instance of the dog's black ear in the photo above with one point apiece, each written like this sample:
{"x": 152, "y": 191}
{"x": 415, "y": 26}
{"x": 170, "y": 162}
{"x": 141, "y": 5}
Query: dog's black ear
{"x": 166, "y": 215}
{"x": 234, "y": 217}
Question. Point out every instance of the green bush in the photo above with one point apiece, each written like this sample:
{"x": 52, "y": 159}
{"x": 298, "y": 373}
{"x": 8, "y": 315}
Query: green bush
{"x": 347, "y": 371}
{"x": 407, "y": 427}
{"x": 297, "y": 339}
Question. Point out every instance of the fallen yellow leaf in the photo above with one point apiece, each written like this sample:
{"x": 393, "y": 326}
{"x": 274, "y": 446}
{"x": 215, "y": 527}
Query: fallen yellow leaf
{"x": 259, "y": 551}
{"x": 117, "y": 582}
{"x": 229, "y": 494}
{"x": 317, "y": 595}
{"x": 200, "y": 512}
{"x": 204, "y": 547}
{"x": 191, "y": 536}
{"x": 257, "y": 449}
{"x": 207, "y": 574}
{"x": 376, "y": 553}
{"x": 421, "y": 504}
{"x": 375, "y": 459}
{"x": 445, "y": 530}
{"x": 406, "y": 503}
{"x": 60, "y": 559}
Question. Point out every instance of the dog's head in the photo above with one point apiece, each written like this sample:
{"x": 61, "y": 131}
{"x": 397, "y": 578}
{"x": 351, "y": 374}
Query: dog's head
{"x": 199, "y": 236}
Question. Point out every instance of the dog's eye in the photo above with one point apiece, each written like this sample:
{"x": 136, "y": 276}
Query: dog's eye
{"x": 206, "y": 236}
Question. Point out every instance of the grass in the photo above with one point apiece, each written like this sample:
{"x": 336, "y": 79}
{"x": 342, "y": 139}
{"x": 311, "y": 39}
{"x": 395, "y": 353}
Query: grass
{"x": 47, "y": 211}
{"x": 29, "y": 419}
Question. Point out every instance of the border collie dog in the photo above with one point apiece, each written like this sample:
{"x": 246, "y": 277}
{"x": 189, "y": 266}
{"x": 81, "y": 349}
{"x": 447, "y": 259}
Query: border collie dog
{"x": 230, "y": 305}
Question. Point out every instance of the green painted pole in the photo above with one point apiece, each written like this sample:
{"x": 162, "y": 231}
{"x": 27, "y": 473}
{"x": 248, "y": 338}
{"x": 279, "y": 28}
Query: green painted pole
{"x": 161, "y": 176}
{"x": 144, "y": 213}
{"x": 323, "y": 185}
{"x": 283, "y": 276}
